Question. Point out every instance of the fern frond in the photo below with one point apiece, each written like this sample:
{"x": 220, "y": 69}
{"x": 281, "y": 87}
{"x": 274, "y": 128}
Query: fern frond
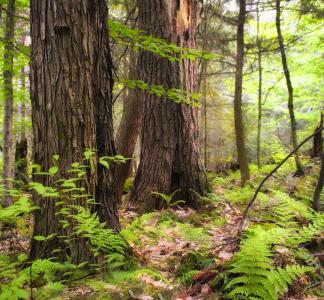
{"x": 253, "y": 273}
{"x": 102, "y": 240}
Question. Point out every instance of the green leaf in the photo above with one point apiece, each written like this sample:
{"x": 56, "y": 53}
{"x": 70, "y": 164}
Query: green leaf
{"x": 40, "y": 238}
{"x": 104, "y": 163}
{"x": 53, "y": 170}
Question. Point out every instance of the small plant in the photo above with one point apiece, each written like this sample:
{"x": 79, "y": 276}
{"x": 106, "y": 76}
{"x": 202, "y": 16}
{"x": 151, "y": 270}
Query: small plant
{"x": 102, "y": 240}
{"x": 191, "y": 264}
{"x": 254, "y": 275}
{"x": 42, "y": 272}
{"x": 128, "y": 185}
{"x": 168, "y": 199}
{"x": 20, "y": 208}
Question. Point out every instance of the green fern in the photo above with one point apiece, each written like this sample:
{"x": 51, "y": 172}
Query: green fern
{"x": 20, "y": 208}
{"x": 41, "y": 272}
{"x": 169, "y": 198}
{"x": 285, "y": 209}
{"x": 186, "y": 277}
{"x": 253, "y": 273}
{"x": 102, "y": 240}
{"x": 307, "y": 233}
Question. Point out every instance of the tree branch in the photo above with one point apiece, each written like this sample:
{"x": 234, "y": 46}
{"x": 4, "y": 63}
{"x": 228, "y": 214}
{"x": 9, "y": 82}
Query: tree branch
{"x": 15, "y": 16}
{"x": 16, "y": 47}
{"x": 269, "y": 175}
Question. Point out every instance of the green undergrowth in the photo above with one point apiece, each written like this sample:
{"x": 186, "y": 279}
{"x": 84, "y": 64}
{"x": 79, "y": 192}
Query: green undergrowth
{"x": 169, "y": 247}
{"x": 168, "y": 225}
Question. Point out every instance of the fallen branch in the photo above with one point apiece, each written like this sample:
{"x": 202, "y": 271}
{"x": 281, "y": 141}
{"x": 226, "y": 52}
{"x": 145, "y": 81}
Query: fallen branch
{"x": 269, "y": 175}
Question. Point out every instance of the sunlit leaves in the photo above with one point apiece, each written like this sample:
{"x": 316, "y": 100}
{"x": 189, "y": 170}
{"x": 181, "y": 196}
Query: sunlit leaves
{"x": 174, "y": 94}
{"x": 137, "y": 39}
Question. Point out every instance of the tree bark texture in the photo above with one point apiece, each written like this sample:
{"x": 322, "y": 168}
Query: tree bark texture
{"x": 170, "y": 155}
{"x": 293, "y": 124}
{"x": 8, "y": 159}
{"x": 71, "y": 85}
{"x": 238, "y": 113}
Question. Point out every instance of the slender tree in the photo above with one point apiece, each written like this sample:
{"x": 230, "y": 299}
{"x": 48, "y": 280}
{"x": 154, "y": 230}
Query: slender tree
{"x": 293, "y": 124}
{"x": 238, "y": 113}
{"x": 170, "y": 156}
{"x": 21, "y": 144}
{"x": 204, "y": 114}
{"x": 318, "y": 151}
{"x": 8, "y": 169}
{"x": 259, "y": 44}
{"x": 203, "y": 80}
{"x": 318, "y": 139}
{"x": 71, "y": 85}
{"x": 319, "y": 185}
{"x": 129, "y": 127}
{"x": 128, "y": 131}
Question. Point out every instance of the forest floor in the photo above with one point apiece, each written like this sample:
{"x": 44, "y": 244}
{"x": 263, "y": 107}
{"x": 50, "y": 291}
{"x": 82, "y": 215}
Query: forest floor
{"x": 179, "y": 253}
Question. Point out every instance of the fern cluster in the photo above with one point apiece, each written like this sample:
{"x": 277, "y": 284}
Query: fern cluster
{"x": 20, "y": 208}
{"x": 253, "y": 272}
{"x": 307, "y": 233}
{"x": 43, "y": 272}
{"x": 102, "y": 240}
{"x": 285, "y": 210}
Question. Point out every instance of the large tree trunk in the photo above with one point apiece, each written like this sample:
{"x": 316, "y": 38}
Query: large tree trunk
{"x": 128, "y": 131}
{"x": 238, "y": 113}
{"x": 259, "y": 43}
{"x": 71, "y": 84}
{"x": 293, "y": 125}
{"x": 8, "y": 169}
{"x": 170, "y": 155}
{"x": 21, "y": 172}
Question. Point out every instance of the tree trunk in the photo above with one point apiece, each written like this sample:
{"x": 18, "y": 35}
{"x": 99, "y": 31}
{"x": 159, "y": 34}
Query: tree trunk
{"x": 203, "y": 79}
{"x": 128, "y": 131}
{"x": 21, "y": 144}
{"x": 8, "y": 169}
{"x": 205, "y": 117}
{"x": 71, "y": 85}
{"x": 170, "y": 155}
{"x": 293, "y": 125}
{"x": 318, "y": 140}
{"x": 319, "y": 186}
{"x": 259, "y": 43}
{"x": 238, "y": 113}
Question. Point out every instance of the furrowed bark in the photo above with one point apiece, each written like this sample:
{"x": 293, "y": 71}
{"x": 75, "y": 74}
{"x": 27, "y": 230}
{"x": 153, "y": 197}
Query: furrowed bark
{"x": 71, "y": 94}
{"x": 170, "y": 155}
